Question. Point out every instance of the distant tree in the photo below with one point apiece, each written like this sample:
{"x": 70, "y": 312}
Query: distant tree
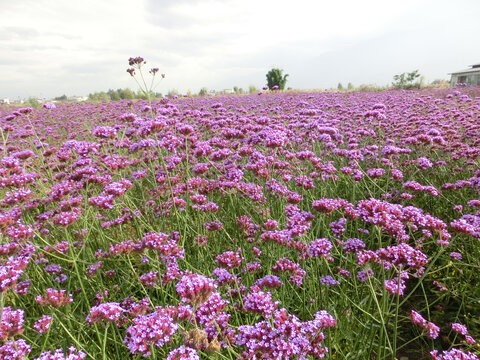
{"x": 339, "y": 86}
{"x": 99, "y": 96}
{"x": 126, "y": 94}
{"x": 113, "y": 94}
{"x": 203, "y": 92}
{"x": 406, "y": 80}
{"x": 252, "y": 89}
{"x": 61, "y": 98}
{"x": 276, "y": 79}
{"x": 350, "y": 86}
{"x": 33, "y": 102}
{"x": 173, "y": 93}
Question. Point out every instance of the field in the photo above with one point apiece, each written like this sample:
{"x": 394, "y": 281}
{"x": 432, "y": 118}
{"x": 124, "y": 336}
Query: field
{"x": 282, "y": 225}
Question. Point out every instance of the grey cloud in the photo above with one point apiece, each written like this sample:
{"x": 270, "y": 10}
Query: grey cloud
{"x": 163, "y": 13}
{"x": 16, "y": 32}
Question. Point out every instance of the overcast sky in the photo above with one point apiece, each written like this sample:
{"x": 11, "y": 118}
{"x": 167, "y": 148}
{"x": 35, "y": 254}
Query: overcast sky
{"x": 49, "y": 48}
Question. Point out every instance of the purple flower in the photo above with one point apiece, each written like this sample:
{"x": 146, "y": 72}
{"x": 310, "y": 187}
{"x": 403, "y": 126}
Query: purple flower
{"x": 106, "y": 312}
{"x": 329, "y": 281}
{"x": 155, "y": 329}
{"x": 73, "y": 354}
{"x": 453, "y": 354}
{"x": 183, "y": 353}
{"x": 43, "y": 324}
{"x": 195, "y": 288}
{"x": 17, "y": 350}
{"x": 260, "y": 302}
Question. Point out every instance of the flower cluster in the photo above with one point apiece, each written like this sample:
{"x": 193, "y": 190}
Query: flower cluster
{"x": 55, "y": 298}
{"x": 155, "y": 329}
{"x": 107, "y": 312}
{"x": 195, "y": 288}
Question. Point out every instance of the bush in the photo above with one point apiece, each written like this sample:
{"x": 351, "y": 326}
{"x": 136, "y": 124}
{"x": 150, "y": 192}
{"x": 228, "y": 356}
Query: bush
{"x": 276, "y": 79}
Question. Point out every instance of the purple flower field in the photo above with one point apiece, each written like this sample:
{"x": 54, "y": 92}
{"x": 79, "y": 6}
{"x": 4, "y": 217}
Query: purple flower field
{"x": 283, "y": 225}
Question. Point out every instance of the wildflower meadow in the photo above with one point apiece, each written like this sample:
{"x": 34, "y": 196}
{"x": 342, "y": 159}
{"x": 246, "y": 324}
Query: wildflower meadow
{"x": 279, "y": 225}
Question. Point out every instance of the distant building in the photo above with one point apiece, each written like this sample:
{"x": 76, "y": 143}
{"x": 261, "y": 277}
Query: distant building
{"x": 4, "y": 101}
{"x": 470, "y": 77}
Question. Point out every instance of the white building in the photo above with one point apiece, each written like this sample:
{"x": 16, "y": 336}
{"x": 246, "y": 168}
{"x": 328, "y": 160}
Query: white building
{"x": 469, "y": 77}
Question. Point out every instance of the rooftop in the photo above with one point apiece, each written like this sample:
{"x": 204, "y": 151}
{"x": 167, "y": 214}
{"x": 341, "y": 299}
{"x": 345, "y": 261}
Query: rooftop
{"x": 473, "y": 68}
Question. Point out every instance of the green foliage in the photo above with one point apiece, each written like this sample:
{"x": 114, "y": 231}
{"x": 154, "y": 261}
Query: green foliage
{"x": 339, "y": 86}
{"x": 350, "y": 86}
{"x": 407, "y": 80}
{"x": 238, "y": 90}
{"x": 172, "y": 93}
{"x": 275, "y": 77}
{"x": 61, "y": 98}
{"x": 99, "y": 96}
{"x": 33, "y": 102}
{"x": 119, "y": 94}
{"x": 252, "y": 89}
{"x": 370, "y": 88}
{"x": 203, "y": 92}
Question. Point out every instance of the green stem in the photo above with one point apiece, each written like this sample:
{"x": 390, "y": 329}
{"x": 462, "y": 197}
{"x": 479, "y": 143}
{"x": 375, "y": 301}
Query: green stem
{"x": 104, "y": 345}
{"x": 380, "y": 313}
{"x": 397, "y": 302}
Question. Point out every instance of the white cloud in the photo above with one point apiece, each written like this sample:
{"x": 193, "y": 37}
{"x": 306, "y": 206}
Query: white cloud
{"x": 49, "y": 47}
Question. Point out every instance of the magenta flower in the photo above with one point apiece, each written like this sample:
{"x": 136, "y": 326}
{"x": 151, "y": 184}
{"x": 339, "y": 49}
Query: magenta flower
{"x": 11, "y": 323}
{"x": 155, "y": 329}
{"x": 73, "y": 354}
{"x": 17, "y": 350}
{"x": 55, "y": 298}
{"x": 195, "y": 288}
{"x": 106, "y": 312}
{"x": 183, "y": 353}
{"x": 43, "y": 324}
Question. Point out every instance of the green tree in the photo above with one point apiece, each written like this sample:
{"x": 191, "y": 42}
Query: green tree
{"x": 406, "y": 80}
{"x": 126, "y": 94}
{"x": 252, "y": 89}
{"x": 350, "y": 86}
{"x": 113, "y": 94}
{"x": 99, "y": 96}
{"x": 275, "y": 78}
{"x": 203, "y": 92}
{"x": 33, "y": 102}
{"x": 339, "y": 86}
{"x": 173, "y": 93}
{"x": 61, "y": 98}
{"x": 237, "y": 90}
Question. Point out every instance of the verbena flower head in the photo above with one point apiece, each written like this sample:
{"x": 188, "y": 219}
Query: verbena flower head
{"x": 453, "y": 354}
{"x": 195, "y": 288}
{"x": 105, "y": 312}
{"x": 15, "y": 350}
{"x": 55, "y": 298}
{"x": 183, "y": 353}
{"x": 43, "y": 324}
{"x": 260, "y": 302}
{"x": 58, "y": 354}
{"x": 11, "y": 323}
{"x": 155, "y": 329}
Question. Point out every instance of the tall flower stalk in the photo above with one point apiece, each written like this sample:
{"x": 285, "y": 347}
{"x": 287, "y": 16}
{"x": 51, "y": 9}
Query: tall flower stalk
{"x": 136, "y": 64}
